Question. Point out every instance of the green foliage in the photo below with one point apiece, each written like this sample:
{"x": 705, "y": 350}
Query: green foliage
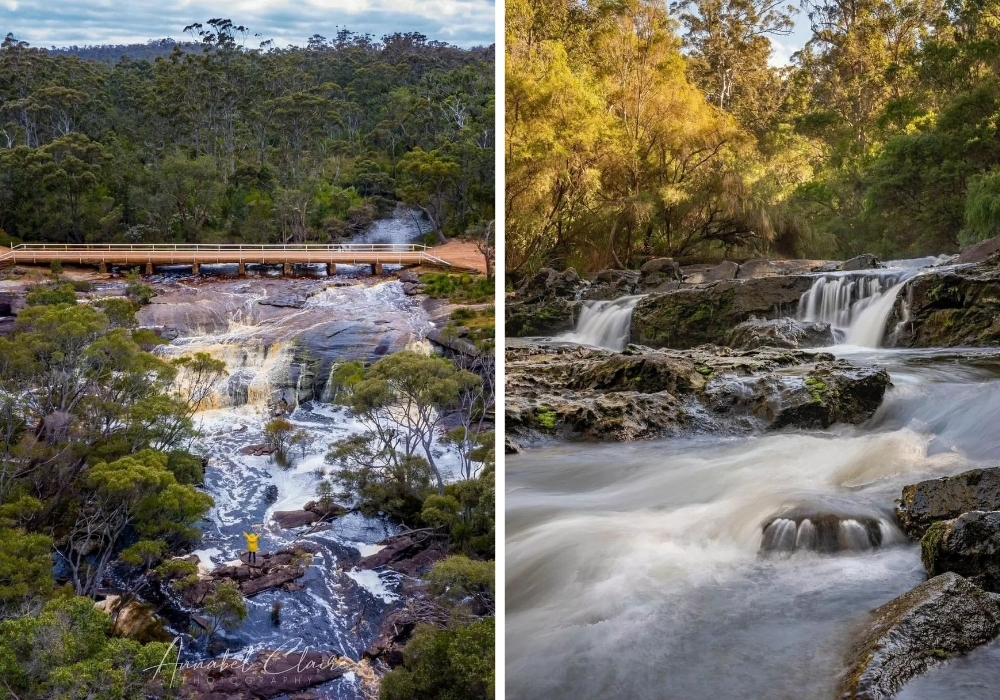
{"x": 225, "y": 607}
{"x": 458, "y": 289}
{"x": 458, "y": 577}
{"x": 25, "y": 568}
{"x": 64, "y": 651}
{"x": 138, "y": 291}
{"x": 278, "y": 433}
{"x": 51, "y": 296}
{"x": 378, "y": 479}
{"x": 451, "y": 664}
{"x": 982, "y": 208}
{"x": 120, "y": 311}
{"x": 206, "y": 146}
{"x": 56, "y": 268}
{"x": 187, "y": 468}
{"x": 466, "y": 512}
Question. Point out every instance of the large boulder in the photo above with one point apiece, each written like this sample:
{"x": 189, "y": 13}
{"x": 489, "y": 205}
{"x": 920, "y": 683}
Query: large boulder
{"x": 827, "y": 532}
{"x": 612, "y": 284}
{"x": 703, "y": 274}
{"x": 944, "y": 616}
{"x": 705, "y": 314}
{"x": 927, "y": 502}
{"x": 545, "y": 304}
{"x": 754, "y": 269}
{"x": 866, "y": 261}
{"x": 410, "y": 554}
{"x": 969, "y": 545}
{"x": 950, "y": 308}
{"x": 780, "y": 333}
{"x": 639, "y": 393}
{"x": 979, "y": 252}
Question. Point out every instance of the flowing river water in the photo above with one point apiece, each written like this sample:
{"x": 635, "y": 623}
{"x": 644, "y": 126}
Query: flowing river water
{"x": 634, "y": 570}
{"x": 281, "y": 339}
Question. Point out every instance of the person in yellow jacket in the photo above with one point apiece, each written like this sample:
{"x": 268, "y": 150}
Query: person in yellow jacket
{"x": 251, "y": 539}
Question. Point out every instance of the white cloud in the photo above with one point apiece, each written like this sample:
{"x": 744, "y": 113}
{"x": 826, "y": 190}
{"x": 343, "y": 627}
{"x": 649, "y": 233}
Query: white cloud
{"x": 69, "y": 22}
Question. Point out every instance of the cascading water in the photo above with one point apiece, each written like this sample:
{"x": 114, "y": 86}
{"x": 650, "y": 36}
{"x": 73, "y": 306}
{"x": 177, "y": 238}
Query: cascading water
{"x": 604, "y": 324}
{"x": 636, "y": 570}
{"x": 856, "y": 305}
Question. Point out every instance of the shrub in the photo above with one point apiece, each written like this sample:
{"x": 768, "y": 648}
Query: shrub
{"x": 451, "y": 664}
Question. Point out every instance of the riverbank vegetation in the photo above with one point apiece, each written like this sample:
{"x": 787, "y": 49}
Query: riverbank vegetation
{"x": 217, "y": 141}
{"x": 635, "y": 132}
{"x": 411, "y": 405}
{"x": 95, "y": 486}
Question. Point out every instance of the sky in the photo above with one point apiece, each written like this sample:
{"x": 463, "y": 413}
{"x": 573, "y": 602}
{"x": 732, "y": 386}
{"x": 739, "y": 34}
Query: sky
{"x": 46, "y": 23}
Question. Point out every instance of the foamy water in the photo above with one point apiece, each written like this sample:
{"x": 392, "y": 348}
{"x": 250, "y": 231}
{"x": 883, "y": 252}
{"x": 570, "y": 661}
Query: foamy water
{"x": 633, "y": 569}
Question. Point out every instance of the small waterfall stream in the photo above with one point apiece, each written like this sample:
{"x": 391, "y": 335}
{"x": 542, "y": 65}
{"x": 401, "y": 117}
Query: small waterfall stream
{"x": 856, "y": 305}
{"x": 604, "y": 324}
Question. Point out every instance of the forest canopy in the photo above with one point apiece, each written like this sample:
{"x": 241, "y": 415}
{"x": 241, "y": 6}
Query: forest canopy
{"x": 636, "y": 130}
{"x": 219, "y": 142}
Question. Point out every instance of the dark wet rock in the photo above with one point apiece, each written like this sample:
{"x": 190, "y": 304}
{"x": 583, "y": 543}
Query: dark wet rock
{"x": 950, "y": 308}
{"x": 408, "y": 276}
{"x": 284, "y": 301}
{"x": 612, "y": 284}
{"x": 705, "y": 314}
{"x": 450, "y": 342}
{"x": 667, "y": 266}
{"x": 927, "y": 502}
{"x": 289, "y": 519}
{"x": 271, "y": 674}
{"x": 968, "y": 545}
{"x": 979, "y": 252}
{"x": 944, "y": 616}
{"x": 824, "y": 532}
{"x": 258, "y": 450}
{"x": 865, "y": 261}
{"x": 703, "y": 274}
{"x": 410, "y": 289}
{"x": 541, "y": 318}
{"x": 577, "y": 392}
{"x": 271, "y": 493}
{"x": 271, "y": 570}
{"x": 780, "y": 333}
{"x": 410, "y": 553}
{"x": 545, "y": 304}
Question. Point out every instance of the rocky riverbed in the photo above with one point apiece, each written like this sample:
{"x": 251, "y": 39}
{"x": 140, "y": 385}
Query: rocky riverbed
{"x": 761, "y": 479}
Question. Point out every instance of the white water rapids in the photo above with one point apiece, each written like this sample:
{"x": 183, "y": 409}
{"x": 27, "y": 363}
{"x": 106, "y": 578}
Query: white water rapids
{"x": 603, "y": 324}
{"x": 857, "y": 305}
{"x": 633, "y": 570}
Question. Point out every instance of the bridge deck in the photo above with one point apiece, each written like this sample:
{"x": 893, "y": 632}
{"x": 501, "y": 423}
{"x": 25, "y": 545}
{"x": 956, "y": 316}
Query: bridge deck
{"x": 181, "y": 254}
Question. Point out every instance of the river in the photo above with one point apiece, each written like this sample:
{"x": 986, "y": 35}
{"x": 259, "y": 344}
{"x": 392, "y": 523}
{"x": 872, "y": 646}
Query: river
{"x": 634, "y": 570}
{"x": 280, "y": 340}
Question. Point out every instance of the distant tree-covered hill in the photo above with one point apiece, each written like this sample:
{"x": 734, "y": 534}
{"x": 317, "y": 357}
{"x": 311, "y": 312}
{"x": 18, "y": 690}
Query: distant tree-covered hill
{"x": 214, "y": 141}
{"x": 112, "y": 53}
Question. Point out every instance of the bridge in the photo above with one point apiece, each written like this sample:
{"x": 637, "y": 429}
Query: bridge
{"x": 151, "y": 255}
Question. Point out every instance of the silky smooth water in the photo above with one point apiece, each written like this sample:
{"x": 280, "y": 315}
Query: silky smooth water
{"x": 633, "y": 569}
{"x": 603, "y": 324}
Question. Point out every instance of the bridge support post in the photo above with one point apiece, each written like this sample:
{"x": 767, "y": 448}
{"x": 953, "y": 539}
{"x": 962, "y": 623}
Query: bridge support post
{"x": 149, "y": 268}
{"x": 377, "y": 268}
{"x": 331, "y": 269}
{"x": 242, "y": 269}
{"x": 195, "y": 269}
{"x": 287, "y": 269}
{"x": 103, "y": 268}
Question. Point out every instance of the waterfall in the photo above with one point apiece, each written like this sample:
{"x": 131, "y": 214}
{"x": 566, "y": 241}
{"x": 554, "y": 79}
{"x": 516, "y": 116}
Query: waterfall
{"x": 856, "y": 305}
{"x": 604, "y": 324}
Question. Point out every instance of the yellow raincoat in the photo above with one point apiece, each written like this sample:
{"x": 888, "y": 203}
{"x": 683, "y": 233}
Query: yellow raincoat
{"x": 251, "y": 541}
